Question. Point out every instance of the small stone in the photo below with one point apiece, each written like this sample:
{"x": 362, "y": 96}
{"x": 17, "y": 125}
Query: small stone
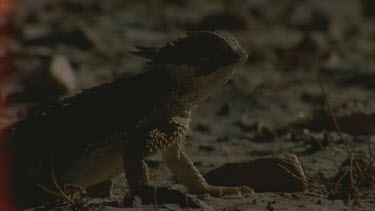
{"x": 355, "y": 118}
{"x": 47, "y": 83}
{"x": 281, "y": 173}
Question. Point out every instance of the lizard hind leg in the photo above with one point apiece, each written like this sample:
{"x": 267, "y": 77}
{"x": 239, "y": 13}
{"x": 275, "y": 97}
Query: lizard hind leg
{"x": 184, "y": 170}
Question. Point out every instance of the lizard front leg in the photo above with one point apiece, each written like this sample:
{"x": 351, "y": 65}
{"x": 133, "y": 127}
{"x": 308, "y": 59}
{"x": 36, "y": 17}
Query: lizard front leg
{"x": 135, "y": 167}
{"x": 136, "y": 170}
{"x": 184, "y": 170}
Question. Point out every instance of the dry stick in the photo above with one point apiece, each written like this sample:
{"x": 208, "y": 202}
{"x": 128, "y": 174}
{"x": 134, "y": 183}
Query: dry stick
{"x": 299, "y": 178}
{"x": 307, "y": 176}
{"x": 369, "y": 193}
{"x": 320, "y": 181}
{"x": 299, "y": 158}
{"x": 303, "y": 168}
{"x": 155, "y": 192}
{"x": 60, "y": 192}
{"x": 337, "y": 127}
{"x": 57, "y": 185}
{"x": 341, "y": 178}
{"x": 50, "y": 191}
{"x": 370, "y": 150}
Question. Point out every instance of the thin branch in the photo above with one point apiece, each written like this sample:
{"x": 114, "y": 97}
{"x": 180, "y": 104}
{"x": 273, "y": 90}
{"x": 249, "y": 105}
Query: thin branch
{"x": 335, "y": 123}
{"x": 299, "y": 178}
{"x": 50, "y": 191}
{"x": 58, "y": 186}
{"x": 340, "y": 179}
{"x": 155, "y": 191}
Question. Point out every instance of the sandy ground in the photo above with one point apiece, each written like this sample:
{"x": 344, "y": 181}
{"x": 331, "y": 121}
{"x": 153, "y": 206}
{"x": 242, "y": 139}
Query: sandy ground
{"x": 277, "y": 86}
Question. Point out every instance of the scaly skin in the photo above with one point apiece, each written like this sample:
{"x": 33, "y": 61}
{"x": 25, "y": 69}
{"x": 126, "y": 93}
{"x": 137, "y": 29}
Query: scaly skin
{"x": 114, "y": 127}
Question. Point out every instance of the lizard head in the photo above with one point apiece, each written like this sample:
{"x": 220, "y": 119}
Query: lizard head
{"x": 199, "y": 62}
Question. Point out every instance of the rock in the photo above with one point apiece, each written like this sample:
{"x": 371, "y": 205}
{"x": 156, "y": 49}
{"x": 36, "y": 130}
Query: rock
{"x": 355, "y": 118}
{"x": 267, "y": 174}
{"x": 62, "y": 71}
{"x": 47, "y": 83}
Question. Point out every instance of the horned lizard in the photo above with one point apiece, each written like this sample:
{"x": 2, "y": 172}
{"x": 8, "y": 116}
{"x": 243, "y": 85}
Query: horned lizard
{"x": 115, "y": 127}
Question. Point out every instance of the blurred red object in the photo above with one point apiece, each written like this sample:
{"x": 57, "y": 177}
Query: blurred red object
{"x": 6, "y": 6}
{"x": 5, "y": 192}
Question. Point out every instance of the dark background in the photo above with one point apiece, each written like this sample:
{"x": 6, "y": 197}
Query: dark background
{"x": 52, "y": 49}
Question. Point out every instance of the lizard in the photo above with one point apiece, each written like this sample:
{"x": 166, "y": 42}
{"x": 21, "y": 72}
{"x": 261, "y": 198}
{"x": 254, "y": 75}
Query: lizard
{"x": 114, "y": 127}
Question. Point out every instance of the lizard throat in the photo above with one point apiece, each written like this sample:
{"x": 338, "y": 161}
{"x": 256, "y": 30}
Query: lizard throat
{"x": 202, "y": 87}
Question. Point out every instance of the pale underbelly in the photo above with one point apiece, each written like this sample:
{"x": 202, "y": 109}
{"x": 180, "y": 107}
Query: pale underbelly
{"x": 98, "y": 166}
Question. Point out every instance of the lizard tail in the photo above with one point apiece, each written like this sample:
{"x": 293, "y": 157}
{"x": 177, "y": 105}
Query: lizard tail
{"x": 19, "y": 169}
{"x": 6, "y": 193}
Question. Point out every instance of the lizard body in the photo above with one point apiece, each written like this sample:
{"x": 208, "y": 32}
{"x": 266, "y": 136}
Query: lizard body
{"x": 114, "y": 127}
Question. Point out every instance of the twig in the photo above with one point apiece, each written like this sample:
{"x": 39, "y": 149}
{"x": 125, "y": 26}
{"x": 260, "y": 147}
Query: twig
{"x": 58, "y": 186}
{"x": 155, "y": 192}
{"x": 370, "y": 150}
{"x": 340, "y": 179}
{"x": 314, "y": 194}
{"x": 60, "y": 193}
{"x": 78, "y": 204}
{"x": 337, "y": 127}
{"x": 301, "y": 162}
{"x": 320, "y": 181}
{"x": 299, "y": 178}
{"x": 50, "y": 191}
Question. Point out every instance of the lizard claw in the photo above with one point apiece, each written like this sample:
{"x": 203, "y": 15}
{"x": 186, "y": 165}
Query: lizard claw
{"x": 246, "y": 190}
{"x": 219, "y": 191}
{"x": 146, "y": 195}
{"x": 137, "y": 195}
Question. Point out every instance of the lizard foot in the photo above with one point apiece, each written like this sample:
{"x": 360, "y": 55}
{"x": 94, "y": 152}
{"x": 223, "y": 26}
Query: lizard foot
{"x": 220, "y": 191}
{"x": 146, "y": 195}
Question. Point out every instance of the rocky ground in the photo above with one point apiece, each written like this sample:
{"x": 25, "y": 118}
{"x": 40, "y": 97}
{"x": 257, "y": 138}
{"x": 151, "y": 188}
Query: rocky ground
{"x": 273, "y": 105}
